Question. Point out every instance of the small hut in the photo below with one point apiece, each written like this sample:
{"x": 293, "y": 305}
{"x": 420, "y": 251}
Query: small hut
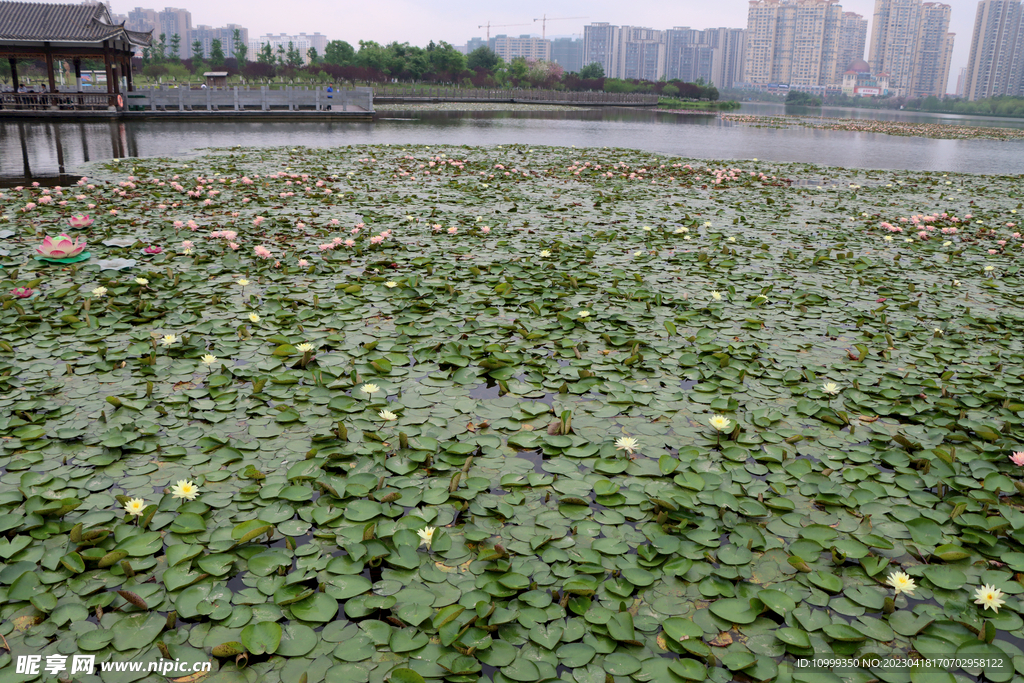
{"x": 216, "y": 79}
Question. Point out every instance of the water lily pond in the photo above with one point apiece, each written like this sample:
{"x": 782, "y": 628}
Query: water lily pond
{"x": 512, "y": 414}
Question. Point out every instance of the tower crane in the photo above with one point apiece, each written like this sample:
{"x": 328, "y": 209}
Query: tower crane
{"x": 544, "y": 20}
{"x": 489, "y": 24}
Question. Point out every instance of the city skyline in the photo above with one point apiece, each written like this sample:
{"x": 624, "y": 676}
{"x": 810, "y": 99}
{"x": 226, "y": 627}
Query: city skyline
{"x": 456, "y": 21}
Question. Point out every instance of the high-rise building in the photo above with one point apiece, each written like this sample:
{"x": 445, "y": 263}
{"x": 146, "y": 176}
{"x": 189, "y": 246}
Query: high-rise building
{"x": 689, "y": 54}
{"x": 996, "y": 63}
{"x": 601, "y": 46}
{"x": 641, "y": 54}
{"x": 853, "y": 37}
{"x": 510, "y": 47}
{"x": 176, "y": 22}
{"x": 301, "y": 42}
{"x": 140, "y": 19}
{"x": 961, "y": 82}
{"x": 567, "y": 53}
{"x": 225, "y": 34}
{"x": 910, "y": 42}
{"x": 474, "y": 43}
{"x": 727, "y": 56}
{"x": 794, "y": 42}
{"x": 934, "y": 51}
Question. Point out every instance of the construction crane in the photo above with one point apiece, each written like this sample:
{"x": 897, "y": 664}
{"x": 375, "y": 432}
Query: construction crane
{"x": 488, "y": 27}
{"x": 544, "y": 20}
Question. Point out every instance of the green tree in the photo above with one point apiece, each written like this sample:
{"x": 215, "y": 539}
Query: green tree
{"x": 241, "y": 49}
{"x": 160, "y": 48}
{"x": 197, "y": 49}
{"x": 594, "y": 70}
{"x": 482, "y": 58}
{"x": 314, "y": 56}
{"x": 292, "y": 56}
{"x": 175, "y": 55}
{"x": 216, "y": 53}
{"x": 339, "y": 52}
{"x": 446, "y": 59}
{"x": 266, "y": 55}
{"x": 518, "y": 69}
{"x": 372, "y": 55}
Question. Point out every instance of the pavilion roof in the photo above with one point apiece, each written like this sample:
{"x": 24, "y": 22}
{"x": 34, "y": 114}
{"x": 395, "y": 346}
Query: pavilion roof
{"x": 36, "y": 21}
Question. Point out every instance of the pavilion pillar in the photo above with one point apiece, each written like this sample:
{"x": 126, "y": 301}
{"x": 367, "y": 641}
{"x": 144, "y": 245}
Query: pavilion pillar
{"x": 48, "y": 56}
{"x": 128, "y": 73}
{"x": 109, "y": 68}
{"x": 14, "y": 71}
{"x": 77, "y": 61}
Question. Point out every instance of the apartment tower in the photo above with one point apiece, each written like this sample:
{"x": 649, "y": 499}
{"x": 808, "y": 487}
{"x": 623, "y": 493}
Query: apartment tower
{"x": 601, "y": 46}
{"x": 794, "y": 42}
{"x": 911, "y": 43}
{"x": 853, "y": 38}
{"x": 996, "y": 63}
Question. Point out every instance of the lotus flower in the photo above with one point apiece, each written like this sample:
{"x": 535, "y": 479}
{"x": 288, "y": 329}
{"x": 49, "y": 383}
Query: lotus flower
{"x": 80, "y": 221}
{"x": 152, "y": 250}
{"x": 61, "y": 247}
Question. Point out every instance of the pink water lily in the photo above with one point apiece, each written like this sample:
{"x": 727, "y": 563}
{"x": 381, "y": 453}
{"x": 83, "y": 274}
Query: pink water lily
{"x": 23, "y": 292}
{"x": 60, "y": 247}
{"x": 152, "y": 250}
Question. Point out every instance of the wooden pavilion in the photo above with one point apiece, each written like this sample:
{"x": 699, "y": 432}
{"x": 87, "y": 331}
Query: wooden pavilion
{"x": 32, "y": 30}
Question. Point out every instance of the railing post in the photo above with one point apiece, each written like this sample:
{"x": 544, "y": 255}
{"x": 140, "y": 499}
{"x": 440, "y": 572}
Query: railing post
{"x": 263, "y": 97}
{"x": 236, "y": 98}
{"x": 209, "y": 100}
{"x": 181, "y": 99}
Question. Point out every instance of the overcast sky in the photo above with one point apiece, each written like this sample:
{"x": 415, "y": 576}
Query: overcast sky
{"x": 455, "y": 21}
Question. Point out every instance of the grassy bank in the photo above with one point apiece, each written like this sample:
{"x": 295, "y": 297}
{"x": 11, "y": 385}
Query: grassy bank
{"x": 450, "y": 408}
{"x": 671, "y": 103}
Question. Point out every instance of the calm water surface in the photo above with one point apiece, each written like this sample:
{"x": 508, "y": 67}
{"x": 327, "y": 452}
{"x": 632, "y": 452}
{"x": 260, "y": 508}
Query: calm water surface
{"x": 43, "y": 151}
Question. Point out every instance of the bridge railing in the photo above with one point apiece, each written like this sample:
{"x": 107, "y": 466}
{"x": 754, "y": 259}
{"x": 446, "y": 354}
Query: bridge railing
{"x": 512, "y": 95}
{"x": 16, "y": 101}
{"x": 244, "y": 98}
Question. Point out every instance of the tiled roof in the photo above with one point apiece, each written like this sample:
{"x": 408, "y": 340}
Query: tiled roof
{"x": 36, "y": 21}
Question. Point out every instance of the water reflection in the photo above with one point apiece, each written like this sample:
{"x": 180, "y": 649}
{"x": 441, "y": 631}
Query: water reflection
{"x": 48, "y": 152}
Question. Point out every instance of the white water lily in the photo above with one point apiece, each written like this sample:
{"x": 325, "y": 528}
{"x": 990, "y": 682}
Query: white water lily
{"x": 720, "y": 422}
{"x": 369, "y": 388}
{"x": 305, "y": 347}
{"x": 168, "y": 339}
{"x": 209, "y": 359}
{"x": 186, "y": 490}
{"x": 426, "y": 535}
{"x": 387, "y": 415}
{"x": 830, "y": 388}
{"x": 901, "y": 583}
{"x": 626, "y": 443}
{"x": 135, "y": 506}
{"x": 989, "y": 597}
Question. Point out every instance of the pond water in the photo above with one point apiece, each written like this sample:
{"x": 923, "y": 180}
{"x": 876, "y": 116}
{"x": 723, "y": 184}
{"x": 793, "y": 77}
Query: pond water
{"x": 43, "y": 151}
